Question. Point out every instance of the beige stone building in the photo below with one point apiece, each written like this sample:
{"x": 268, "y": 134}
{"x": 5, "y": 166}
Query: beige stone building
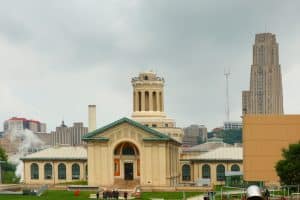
{"x": 265, "y": 94}
{"x": 210, "y": 163}
{"x": 264, "y": 137}
{"x": 144, "y": 150}
{"x": 126, "y": 150}
{"x": 55, "y": 165}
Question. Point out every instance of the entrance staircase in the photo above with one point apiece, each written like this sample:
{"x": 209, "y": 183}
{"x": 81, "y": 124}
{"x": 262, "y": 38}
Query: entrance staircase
{"x": 126, "y": 184}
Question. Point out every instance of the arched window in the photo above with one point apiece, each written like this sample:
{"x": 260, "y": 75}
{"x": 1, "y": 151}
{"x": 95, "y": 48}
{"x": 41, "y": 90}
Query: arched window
{"x": 235, "y": 168}
{"x": 205, "y": 171}
{"x": 34, "y": 169}
{"x": 186, "y": 173}
{"x": 220, "y": 173}
{"x": 48, "y": 171}
{"x": 128, "y": 150}
{"x": 75, "y": 171}
{"x": 61, "y": 171}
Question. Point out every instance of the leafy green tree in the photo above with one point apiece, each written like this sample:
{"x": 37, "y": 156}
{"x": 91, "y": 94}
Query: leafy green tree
{"x": 10, "y": 177}
{"x": 288, "y": 169}
{"x": 3, "y": 155}
{"x": 8, "y": 169}
{"x": 232, "y": 136}
{"x": 228, "y": 136}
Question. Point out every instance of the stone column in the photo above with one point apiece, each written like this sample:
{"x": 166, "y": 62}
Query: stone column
{"x": 157, "y": 101}
{"x": 162, "y": 101}
{"x": 143, "y": 100}
{"x": 150, "y": 101}
{"x": 136, "y": 101}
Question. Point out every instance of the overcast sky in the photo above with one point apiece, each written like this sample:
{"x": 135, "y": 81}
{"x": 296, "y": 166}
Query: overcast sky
{"x": 57, "y": 56}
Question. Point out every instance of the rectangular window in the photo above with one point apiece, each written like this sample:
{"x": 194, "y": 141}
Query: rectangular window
{"x": 117, "y": 167}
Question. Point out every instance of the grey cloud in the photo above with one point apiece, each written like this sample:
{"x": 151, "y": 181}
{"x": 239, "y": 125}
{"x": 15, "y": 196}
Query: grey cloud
{"x": 188, "y": 42}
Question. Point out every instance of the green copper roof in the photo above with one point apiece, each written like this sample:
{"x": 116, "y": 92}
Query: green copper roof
{"x": 160, "y": 136}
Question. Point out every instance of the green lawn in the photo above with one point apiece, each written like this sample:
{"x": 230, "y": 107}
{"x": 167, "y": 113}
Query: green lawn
{"x": 66, "y": 195}
{"x": 74, "y": 183}
{"x": 49, "y": 195}
{"x": 168, "y": 195}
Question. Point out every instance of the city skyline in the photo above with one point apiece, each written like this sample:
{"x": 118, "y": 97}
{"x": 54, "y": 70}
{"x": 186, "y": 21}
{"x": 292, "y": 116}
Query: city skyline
{"x": 53, "y": 66}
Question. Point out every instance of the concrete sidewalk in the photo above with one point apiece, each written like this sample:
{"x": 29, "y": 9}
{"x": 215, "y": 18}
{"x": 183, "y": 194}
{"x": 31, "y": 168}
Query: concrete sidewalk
{"x": 199, "y": 197}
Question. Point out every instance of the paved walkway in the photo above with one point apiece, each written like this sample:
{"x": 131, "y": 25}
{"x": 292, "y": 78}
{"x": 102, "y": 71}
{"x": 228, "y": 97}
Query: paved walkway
{"x": 199, "y": 197}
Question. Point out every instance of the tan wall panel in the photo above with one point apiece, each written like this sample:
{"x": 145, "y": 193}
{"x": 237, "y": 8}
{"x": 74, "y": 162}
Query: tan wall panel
{"x": 264, "y": 138}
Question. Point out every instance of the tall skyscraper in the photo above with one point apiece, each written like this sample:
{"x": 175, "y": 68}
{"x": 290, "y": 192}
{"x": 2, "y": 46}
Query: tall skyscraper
{"x": 265, "y": 94}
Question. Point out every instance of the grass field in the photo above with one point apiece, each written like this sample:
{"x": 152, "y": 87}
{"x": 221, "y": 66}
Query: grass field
{"x": 49, "y": 195}
{"x": 168, "y": 195}
{"x": 66, "y": 195}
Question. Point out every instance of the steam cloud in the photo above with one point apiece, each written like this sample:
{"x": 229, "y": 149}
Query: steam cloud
{"x": 27, "y": 142}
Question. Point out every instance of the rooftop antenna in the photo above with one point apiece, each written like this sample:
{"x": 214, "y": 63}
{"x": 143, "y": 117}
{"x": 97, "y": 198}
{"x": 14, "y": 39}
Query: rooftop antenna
{"x": 227, "y": 110}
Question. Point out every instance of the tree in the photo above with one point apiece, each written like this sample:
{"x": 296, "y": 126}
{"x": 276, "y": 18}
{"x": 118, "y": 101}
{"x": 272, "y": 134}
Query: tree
{"x": 232, "y": 136}
{"x": 229, "y": 136}
{"x": 3, "y": 156}
{"x": 288, "y": 169}
{"x": 7, "y": 169}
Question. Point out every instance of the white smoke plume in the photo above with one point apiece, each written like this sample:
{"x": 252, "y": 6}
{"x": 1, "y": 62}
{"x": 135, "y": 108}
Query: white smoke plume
{"x": 27, "y": 142}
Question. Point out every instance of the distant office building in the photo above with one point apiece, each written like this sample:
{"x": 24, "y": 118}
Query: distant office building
{"x": 15, "y": 135}
{"x": 217, "y": 129}
{"x": 18, "y": 124}
{"x": 231, "y": 125}
{"x": 194, "y": 134}
{"x": 69, "y": 135}
{"x": 9, "y": 144}
{"x": 265, "y": 94}
{"x": 45, "y": 137}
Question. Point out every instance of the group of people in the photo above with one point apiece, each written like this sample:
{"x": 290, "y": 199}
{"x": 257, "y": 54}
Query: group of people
{"x": 114, "y": 194}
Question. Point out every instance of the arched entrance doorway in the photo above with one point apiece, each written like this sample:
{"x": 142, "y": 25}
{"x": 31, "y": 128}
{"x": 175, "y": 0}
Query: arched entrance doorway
{"x": 126, "y": 162}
